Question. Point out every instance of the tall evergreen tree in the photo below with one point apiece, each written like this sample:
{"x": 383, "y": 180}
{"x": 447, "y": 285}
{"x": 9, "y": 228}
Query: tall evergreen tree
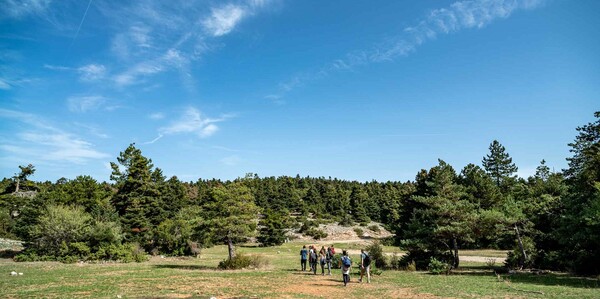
{"x": 580, "y": 227}
{"x": 358, "y": 197}
{"x": 498, "y": 164}
{"x": 137, "y": 194}
{"x": 441, "y": 220}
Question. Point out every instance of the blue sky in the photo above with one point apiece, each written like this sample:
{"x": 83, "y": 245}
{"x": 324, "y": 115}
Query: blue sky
{"x": 357, "y": 90}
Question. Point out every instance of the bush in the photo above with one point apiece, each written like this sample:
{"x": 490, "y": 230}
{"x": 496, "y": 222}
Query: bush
{"x": 375, "y": 251}
{"x": 515, "y": 257}
{"x": 422, "y": 258}
{"x": 242, "y": 261}
{"x": 316, "y": 233}
{"x": 60, "y": 225}
{"x": 389, "y": 241}
{"x": 437, "y": 267}
{"x": 359, "y": 232}
{"x": 374, "y": 228}
{"x": 394, "y": 263}
{"x": 347, "y": 220}
{"x": 171, "y": 237}
{"x": 125, "y": 253}
{"x": 412, "y": 266}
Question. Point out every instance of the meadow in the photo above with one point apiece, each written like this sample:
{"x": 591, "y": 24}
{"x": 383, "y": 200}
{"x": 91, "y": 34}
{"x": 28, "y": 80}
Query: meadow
{"x": 172, "y": 277}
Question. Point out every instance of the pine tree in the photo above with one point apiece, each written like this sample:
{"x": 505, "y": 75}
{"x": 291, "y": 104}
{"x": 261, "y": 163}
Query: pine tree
{"x": 441, "y": 219}
{"x": 358, "y": 197}
{"x": 580, "y": 225}
{"x": 231, "y": 215}
{"x": 137, "y": 195}
{"x": 498, "y": 164}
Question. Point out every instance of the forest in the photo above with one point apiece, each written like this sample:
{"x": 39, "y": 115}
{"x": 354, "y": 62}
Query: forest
{"x": 550, "y": 220}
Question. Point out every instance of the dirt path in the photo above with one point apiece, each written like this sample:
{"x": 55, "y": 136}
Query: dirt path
{"x": 332, "y": 287}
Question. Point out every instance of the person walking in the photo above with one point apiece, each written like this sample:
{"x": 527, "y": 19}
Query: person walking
{"x": 303, "y": 257}
{"x": 328, "y": 261}
{"x": 346, "y": 264}
{"x": 323, "y": 259}
{"x": 365, "y": 266}
{"x": 313, "y": 260}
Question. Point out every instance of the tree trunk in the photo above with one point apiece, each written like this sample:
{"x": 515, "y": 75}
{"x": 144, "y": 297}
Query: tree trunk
{"x": 523, "y": 253}
{"x": 17, "y": 188}
{"x": 231, "y": 248}
{"x": 456, "y": 259}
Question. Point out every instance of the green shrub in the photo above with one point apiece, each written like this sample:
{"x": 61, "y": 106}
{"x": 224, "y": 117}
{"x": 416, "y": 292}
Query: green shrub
{"x": 378, "y": 258}
{"x": 242, "y": 261}
{"x": 514, "y": 258}
{"x": 69, "y": 259}
{"x": 317, "y": 234}
{"x": 395, "y": 262}
{"x": 58, "y": 226}
{"x": 412, "y": 266}
{"x": 171, "y": 237}
{"x": 30, "y": 256}
{"x": 347, "y": 220}
{"x": 389, "y": 241}
{"x": 437, "y": 267}
{"x": 374, "y": 228}
{"x": 359, "y": 232}
{"x": 125, "y": 253}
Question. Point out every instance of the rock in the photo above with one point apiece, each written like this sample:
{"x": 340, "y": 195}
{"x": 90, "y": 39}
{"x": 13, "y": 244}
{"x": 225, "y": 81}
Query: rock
{"x": 20, "y": 273}
{"x": 13, "y": 273}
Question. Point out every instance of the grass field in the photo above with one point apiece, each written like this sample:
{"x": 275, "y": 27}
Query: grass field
{"x": 198, "y": 278}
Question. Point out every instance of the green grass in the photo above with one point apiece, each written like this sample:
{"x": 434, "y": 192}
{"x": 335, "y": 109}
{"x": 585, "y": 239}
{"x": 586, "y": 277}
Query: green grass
{"x": 198, "y": 278}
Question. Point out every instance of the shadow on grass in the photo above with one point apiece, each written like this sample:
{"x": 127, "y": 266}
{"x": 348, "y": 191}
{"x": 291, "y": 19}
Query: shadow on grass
{"x": 185, "y": 267}
{"x": 8, "y": 253}
{"x": 549, "y": 279}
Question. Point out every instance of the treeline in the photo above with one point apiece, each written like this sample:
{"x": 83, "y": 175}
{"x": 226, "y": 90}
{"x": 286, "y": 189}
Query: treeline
{"x": 550, "y": 220}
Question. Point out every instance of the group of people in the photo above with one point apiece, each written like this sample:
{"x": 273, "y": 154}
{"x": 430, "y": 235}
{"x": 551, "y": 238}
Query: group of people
{"x": 324, "y": 257}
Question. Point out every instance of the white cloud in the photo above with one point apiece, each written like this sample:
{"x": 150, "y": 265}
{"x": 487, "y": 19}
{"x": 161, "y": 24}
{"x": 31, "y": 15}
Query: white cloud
{"x": 89, "y": 72}
{"x": 156, "y": 116}
{"x": 223, "y": 19}
{"x": 159, "y": 36}
{"x": 92, "y": 72}
{"x": 57, "y": 67}
{"x": 85, "y": 103}
{"x": 63, "y": 147}
{"x": 21, "y": 8}
{"x": 41, "y": 141}
{"x": 458, "y": 16}
{"x": 171, "y": 58}
{"x": 4, "y": 85}
{"x": 141, "y": 36}
{"x": 192, "y": 122}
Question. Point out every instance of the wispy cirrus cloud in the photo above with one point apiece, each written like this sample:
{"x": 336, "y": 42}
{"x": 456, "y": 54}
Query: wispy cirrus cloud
{"x": 89, "y": 72}
{"x": 191, "y": 122}
{"x": 460, "y": 15}
{"x": 92, "y": 72}
{"x": 37, "y": 140}
{"x": 158, "y": 38}
{"x": 4, "y": 85}
{"x": 21, "y": 8}
{"x": 85, "y": 103}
